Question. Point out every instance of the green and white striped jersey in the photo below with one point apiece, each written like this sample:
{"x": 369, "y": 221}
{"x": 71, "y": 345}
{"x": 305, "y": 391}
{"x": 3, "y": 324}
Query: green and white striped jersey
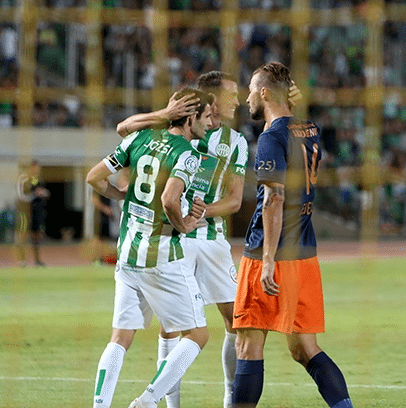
{"x": 146, "y": 237}
{"x": 224, "y": 151}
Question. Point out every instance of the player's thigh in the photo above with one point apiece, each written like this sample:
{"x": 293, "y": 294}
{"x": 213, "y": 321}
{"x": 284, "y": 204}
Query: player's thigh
{"x": 215, "y": 271}
{"x": 174, "y": 296}
{"x": 310, "y": 308}
{"x": 131, "y": 309}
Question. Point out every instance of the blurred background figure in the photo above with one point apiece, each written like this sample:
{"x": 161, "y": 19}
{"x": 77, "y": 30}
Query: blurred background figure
{"x": 32, "y": 199}
{"x": 101, "y": 250}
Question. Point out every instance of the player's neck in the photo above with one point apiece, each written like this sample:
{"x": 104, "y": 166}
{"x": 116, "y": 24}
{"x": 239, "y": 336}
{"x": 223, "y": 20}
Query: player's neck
{"x": 180, "y": 131}
{"x": 273, "y": 112}
{"x": 216, "y": 123}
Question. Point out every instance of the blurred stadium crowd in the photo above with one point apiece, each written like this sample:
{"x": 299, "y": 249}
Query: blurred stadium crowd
{"x": 336, "y": 61}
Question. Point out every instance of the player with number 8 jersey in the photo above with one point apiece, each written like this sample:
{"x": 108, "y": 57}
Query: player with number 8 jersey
{"x": 146, "y": 237}
{"x": 151, "y": 274}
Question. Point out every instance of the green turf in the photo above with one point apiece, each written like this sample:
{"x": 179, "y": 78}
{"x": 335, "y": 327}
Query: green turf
{"x": 55, "y": 323}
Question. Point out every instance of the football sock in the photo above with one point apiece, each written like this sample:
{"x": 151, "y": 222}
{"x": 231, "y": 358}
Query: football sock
{"x": 165, "y": 346}
{"x": 229, "y": 361}
{"x": 248, "y": 383}
{"x": 329, "y": 380}
{"x": 171, "y": 370}
{"x": 108, "y": 371}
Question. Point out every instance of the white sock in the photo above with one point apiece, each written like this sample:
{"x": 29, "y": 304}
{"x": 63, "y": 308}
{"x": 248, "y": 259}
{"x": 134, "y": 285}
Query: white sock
{"x": 171, "y": 370}
{"x": 108, "y": 371}
{"x": 229, "y": 360}
{"x": 165, "y": 346}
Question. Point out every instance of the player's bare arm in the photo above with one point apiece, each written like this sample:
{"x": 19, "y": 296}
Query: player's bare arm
{"x": 294, "y": 95}
{"x": 230, "y": 203}
{"x": 98, "y": 179}
{"x": 272, "y": 217}
{"x": 176, "y": 109}
{"x": 171, "y": 205}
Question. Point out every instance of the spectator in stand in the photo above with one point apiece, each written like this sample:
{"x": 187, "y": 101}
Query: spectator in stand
{"x": 8, "y": 50}
{"x": 51, "y": 53}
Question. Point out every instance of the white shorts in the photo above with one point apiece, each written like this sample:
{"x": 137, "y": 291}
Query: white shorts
{"x": 214, "y": 268}
{"x": 168, "y": 291}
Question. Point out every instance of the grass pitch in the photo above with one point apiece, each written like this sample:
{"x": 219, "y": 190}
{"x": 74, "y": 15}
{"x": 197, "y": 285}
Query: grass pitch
{"x": 55, "y": 323}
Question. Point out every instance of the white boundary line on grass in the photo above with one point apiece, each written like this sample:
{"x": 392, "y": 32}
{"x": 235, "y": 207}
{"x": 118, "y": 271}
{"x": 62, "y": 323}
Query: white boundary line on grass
{"x": 387, "y": 387}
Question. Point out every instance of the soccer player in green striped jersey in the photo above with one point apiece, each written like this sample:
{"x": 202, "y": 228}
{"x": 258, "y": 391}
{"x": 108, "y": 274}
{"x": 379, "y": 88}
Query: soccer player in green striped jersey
{"x": 219, "y": 182}
{"x": 151, "y": 273}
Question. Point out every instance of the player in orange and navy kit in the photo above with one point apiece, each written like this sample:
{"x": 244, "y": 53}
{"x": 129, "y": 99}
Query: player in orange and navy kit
{"x": 279, "y": 283}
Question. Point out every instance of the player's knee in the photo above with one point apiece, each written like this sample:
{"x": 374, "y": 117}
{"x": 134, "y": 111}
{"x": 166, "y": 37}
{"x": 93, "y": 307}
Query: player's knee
{"x": 299, "y": 355}
{"x": 248, "y": 349}
{"x": 123, "y": 337}
{"x": 199, "y": 335}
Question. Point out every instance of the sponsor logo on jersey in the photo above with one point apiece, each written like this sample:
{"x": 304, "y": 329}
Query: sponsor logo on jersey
{"x": 233, "y": 274}
{"x": 192, "y": 164}
{"x": 240, "y": 170}
{"x": 141, "y": 211}
{"x": 222, "y": 150}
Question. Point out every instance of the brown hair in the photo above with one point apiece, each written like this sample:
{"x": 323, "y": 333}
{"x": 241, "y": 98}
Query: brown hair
{"x": 212, "y": 81}
{"x": 204, "y": 98}
{"x": 274, "y": 75}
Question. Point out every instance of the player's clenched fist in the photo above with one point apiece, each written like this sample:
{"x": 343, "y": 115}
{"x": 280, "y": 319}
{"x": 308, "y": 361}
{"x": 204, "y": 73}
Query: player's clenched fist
{"x": 198, "y": 208}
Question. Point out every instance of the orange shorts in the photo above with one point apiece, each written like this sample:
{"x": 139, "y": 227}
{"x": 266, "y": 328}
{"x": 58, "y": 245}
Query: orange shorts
{"x": 298, "y": 308}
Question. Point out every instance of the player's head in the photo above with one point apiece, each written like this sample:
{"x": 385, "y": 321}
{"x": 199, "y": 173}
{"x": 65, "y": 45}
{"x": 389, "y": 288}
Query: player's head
{"x": 225, "y": 90}
{"x": 269, "y": 83}
{"x": 200, "y": 122}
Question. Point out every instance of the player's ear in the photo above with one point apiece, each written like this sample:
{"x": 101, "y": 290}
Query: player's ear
{"x": 214, "y": 97}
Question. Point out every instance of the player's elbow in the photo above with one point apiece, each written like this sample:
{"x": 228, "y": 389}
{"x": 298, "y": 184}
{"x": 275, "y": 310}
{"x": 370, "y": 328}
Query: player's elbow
{"x": 91, "y": 178}
{"x": 235, "y": 206}
{"x": 274, "y": 201}
{"x": 121, "y": 130}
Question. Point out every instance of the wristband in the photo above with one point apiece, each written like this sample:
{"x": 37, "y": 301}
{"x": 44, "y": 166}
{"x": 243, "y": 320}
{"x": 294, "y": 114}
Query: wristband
{"x": 204, "y": 213}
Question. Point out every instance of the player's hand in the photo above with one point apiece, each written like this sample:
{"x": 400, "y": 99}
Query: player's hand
{"x": 191, "y": 223}
{"x": 269, "y": 286}
{"x": 185, "y": 106}
{"x": 198, "y": 208}
{"x": 294, "y": 95}
{"x": 42, "y": 192}
{"x": 123, "y": 189}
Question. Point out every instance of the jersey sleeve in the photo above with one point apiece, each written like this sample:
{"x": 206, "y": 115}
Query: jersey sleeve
{"x": 239, "y": 158}
{"x": 186, "y": 167}
{"x": 270, "y": 161}
{"x": 120, "y": 158}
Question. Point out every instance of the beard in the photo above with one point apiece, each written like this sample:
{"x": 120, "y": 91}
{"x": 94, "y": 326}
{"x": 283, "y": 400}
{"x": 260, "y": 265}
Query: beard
{"x": 258, "y": 114}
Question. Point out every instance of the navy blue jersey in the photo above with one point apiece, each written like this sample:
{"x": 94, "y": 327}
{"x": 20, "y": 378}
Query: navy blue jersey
{"x": 288, "y": 152}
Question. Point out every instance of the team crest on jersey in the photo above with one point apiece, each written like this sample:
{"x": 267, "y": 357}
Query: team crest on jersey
{"x": 192, "y": 164}
{"x": 233, "y": 274}
{"x": 222, "y": 150}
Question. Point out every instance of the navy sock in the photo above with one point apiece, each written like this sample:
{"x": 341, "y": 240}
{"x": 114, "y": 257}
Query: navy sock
{"x": 330, "y": 381}
{"x": 248, "y": 383}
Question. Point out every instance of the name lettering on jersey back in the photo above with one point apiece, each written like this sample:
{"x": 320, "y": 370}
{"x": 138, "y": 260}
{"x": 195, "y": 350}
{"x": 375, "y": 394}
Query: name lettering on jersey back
{"x": 303, "y": 131}
{"x": 159, "y": 146}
